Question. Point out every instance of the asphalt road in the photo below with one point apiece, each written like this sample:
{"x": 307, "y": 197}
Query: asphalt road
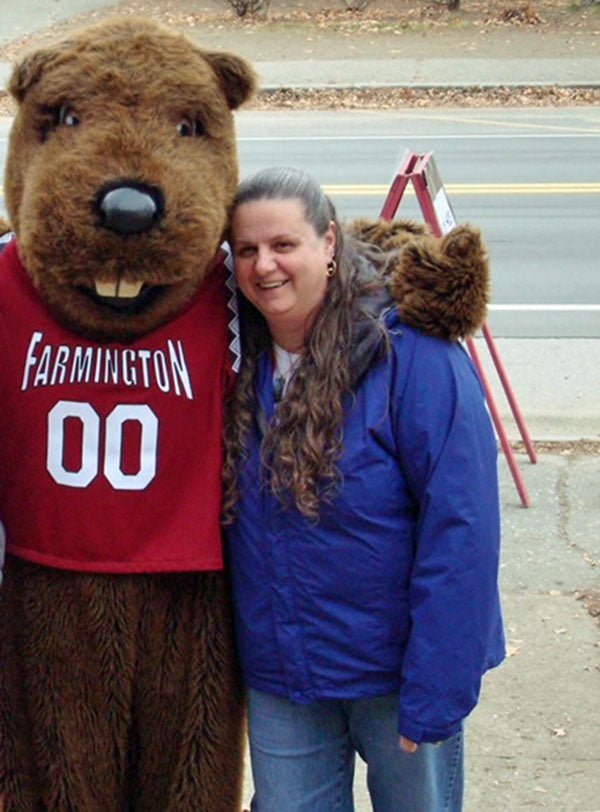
{"x": 528, "y": 178}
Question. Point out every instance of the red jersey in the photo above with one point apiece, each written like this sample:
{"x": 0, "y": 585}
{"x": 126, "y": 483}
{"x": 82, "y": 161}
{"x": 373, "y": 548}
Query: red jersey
{"x": 111, "y": 453}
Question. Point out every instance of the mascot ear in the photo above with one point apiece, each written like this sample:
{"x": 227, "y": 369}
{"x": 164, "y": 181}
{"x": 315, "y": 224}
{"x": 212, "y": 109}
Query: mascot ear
{"x": 441, "y": 285}
{"x": 237, "y": 77}
{"x": 27, "y": 72}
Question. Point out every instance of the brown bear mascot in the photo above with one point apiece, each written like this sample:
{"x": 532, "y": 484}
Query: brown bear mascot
{"x": 119, "y": 686}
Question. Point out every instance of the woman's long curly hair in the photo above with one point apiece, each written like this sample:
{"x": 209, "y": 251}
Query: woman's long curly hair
{"x": 303, "y": 444}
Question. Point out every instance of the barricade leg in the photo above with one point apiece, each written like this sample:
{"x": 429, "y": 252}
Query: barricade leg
{"x": 510, "y": 395}
{"x": 420, "y": 170}
{"x": 499, "y": 426}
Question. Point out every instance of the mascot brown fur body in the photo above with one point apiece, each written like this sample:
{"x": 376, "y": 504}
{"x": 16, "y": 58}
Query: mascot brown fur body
{"x": 119, "y": 685}
{"x": 119, "y": 689}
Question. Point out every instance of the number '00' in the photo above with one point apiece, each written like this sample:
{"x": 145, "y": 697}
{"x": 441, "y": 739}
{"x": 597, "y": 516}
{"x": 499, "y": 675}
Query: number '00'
{"x": 113, "y": 444}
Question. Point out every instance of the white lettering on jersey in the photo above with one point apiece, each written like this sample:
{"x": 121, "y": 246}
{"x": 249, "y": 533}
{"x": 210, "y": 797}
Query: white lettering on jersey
{"x": 160, "y": 371}
{"x": 59, "y": 372}
{"x": 43, "y": 368}
{"x": 90, "y": 422}
{"x": 148, "y": 421}
{"x": 50, "y": 365}
{"x": 81, "y": 368}
{"x": 90, "y": 449}
{"x": 179, "y": 369}
{"x": 30, "y": 358}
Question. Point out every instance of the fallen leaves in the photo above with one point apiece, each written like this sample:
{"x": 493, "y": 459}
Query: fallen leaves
{"x": 389, "y": 98}
{"x": 392, "y": 98}
{"x": 591, "y": 600}
{"x": 513, "y": 647}
{"x": 520, "y": 15}
{"x": 564, "y": 448}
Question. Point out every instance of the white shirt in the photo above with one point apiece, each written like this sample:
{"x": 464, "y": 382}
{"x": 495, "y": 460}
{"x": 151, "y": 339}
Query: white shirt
{"x": 284, "y": 365}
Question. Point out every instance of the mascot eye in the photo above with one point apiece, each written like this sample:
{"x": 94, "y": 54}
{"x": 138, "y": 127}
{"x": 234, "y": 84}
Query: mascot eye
{"x": 67, "y": 117}
{"x": 190, "y": 128}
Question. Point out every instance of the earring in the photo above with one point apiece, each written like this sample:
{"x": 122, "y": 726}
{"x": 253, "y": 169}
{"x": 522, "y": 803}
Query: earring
{"x": 331, "y": 267}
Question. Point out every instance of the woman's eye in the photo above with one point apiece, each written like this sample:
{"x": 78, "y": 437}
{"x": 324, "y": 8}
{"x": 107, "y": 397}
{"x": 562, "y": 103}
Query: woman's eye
{"x": 244, "y": 252}
{"x": 67, "y": 117}
{"x": 190, "y": 128}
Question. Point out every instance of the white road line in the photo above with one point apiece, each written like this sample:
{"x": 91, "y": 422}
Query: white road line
{"x": 404, "y": 136}
{"x": 547, "y": 188}
{"x": 544, "y": 308}
{"x": 473, "y": 189}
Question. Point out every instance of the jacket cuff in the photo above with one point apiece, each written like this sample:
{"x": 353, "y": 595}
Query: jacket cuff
{"x": 419, "y": 734}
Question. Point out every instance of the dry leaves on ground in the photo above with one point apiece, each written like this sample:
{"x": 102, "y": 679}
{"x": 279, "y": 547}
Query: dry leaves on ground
{"x": 564, "y": 448}
{"x": 591, "y": 600}
{"x": 391, "y": 98}
{"x": 388, "y": 98}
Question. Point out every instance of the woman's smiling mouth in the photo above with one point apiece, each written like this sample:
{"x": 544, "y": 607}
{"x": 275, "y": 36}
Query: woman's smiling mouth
{"x": 271, "y": 285}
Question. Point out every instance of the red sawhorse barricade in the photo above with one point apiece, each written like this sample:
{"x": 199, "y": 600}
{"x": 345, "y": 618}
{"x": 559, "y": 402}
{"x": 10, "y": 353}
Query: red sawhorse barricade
{"x": 421, "y": 171}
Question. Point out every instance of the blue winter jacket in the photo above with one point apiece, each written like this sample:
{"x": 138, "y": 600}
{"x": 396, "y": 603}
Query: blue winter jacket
{"x": 394, "y": 589}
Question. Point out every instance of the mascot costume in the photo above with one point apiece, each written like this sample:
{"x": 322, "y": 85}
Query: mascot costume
{"x": 119, "y": 688}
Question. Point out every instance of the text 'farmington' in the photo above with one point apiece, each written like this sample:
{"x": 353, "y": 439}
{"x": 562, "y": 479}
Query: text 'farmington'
{"x": 49, "y": 365}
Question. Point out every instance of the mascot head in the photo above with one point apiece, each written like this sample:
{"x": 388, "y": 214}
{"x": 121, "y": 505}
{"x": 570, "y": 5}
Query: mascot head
{"x": 120, "y": 173}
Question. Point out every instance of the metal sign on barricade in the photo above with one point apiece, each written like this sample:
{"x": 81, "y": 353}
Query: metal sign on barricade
{"x": 421, "y": 171}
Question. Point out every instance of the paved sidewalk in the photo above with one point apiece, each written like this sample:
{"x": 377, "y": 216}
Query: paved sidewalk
{"x": 429, "y": 72}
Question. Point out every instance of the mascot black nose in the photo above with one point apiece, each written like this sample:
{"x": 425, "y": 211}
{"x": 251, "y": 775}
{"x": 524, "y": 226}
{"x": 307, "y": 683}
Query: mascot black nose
{"x": 130, "y": 209}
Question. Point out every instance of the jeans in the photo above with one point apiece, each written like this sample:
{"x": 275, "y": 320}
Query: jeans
{"x": 303, "y": 758}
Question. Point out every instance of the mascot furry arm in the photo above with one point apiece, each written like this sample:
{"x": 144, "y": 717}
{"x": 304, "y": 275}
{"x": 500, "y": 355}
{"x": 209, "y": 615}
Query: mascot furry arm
{"x": 441, "y": 285}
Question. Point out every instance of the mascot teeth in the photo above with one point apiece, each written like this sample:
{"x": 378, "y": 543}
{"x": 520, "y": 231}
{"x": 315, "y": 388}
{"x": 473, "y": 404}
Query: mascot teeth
{"x": 119, "y": 289}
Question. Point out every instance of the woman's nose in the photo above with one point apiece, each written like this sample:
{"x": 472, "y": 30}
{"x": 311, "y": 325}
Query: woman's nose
{"x": 265, "y": 261}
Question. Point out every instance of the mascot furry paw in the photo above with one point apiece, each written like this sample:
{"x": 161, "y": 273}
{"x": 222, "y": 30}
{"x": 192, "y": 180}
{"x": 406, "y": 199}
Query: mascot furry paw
{"x": 119, "y": 686}
{"x": 441, "y": 285}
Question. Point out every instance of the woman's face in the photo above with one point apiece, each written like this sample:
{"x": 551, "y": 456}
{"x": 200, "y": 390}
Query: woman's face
{"x": 281, "y": 265}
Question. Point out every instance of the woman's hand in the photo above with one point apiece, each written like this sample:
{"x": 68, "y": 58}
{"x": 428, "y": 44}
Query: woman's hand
{"x": 407, "y": 746}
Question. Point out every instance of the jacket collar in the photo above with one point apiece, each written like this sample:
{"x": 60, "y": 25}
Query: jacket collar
{"x": 367, "y": 341}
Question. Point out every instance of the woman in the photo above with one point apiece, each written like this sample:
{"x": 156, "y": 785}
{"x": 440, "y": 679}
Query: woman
{"x": 362, "y": 520}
